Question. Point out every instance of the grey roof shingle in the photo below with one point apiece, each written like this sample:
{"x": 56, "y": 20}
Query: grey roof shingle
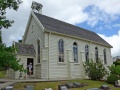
{"x": 25, "y": 49}
{"x": 54, "y": 25}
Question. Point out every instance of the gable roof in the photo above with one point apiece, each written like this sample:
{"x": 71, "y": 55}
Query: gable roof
{"x": 54, "y": 25}
{"x": 24, "y": 49}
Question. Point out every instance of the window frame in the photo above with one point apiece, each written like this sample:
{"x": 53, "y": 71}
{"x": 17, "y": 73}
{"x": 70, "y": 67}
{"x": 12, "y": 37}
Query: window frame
{"x": 104, "y": 56}
{"x": 87, "y": 53}
{"x": 61, "y": 51}
{"x": 75, "y": 51}
{"x": 96, "y": 54}
{"x": 38, "y": 51}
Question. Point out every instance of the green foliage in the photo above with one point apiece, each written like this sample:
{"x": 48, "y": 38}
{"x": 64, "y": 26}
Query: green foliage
{"x": 2, "y": 74}
{"x": 117, "y": 62}
{"x": 114, "y": 69}
{"x": 8, "y": 58}
{"x": 0, "y": 37}
{"x": 4, "y": 4}
{"x": 7, "y": 54}
{"x": 114, "y": 73}
{"x": 95, "y": 71}
{"x": 112, "y": 78}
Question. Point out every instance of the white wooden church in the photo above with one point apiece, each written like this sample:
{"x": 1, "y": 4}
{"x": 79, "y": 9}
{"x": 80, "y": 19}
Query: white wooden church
{"x": 56, "y": 49}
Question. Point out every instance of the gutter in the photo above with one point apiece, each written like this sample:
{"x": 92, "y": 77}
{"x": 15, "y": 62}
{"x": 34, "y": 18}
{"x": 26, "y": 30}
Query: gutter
{"x": 78, "y": 38}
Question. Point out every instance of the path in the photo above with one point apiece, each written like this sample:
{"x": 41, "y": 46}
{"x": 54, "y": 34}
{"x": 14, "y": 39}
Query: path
{"x": 3, "y": 85}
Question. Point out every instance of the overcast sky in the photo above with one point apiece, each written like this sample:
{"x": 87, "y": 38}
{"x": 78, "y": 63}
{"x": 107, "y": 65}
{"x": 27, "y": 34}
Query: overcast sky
{"x": 100, "y": 16}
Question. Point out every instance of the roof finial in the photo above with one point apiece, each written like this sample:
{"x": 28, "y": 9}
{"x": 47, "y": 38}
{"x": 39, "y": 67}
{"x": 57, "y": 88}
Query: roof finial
{"x": 37, "y": 7}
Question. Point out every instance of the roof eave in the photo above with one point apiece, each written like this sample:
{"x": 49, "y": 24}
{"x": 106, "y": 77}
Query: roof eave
{"x": 48, "y": 31}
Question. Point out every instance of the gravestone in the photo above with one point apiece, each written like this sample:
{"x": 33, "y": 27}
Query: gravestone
{"x": 70, "y": 85}
{"x": 62, "y": 87}
{"x": 93, "y": 89}
{"x": 9, "y": 88}
{"x": 28, "y": 88}
{"x": 104, "y": 87}
{"x": 78, "y": 84}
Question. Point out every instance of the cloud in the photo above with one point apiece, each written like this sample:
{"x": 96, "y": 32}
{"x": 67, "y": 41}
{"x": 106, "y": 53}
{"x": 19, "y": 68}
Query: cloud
{"x": 71, "y": 11}
{"x": 115, "y": 42}
{"x": 109, "y": 6}
{"x": 116, "y": 25}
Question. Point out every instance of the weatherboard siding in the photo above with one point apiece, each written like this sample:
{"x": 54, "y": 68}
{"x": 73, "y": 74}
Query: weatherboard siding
{"x": 44, "y": 63}
{"x": 23, "y": 61}
{"x": 34, "y": 33}
{"x": 61, "y": 70}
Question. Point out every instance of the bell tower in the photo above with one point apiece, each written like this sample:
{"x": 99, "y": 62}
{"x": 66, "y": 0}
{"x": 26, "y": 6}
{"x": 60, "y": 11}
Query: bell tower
{"x": 37, "y": 7}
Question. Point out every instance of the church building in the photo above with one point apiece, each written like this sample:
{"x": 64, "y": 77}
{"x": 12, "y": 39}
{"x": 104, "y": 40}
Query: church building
{"x": 56, "y": 49}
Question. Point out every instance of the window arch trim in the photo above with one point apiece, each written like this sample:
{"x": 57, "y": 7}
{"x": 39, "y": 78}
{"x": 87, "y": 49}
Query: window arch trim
{"x": 104, "y": 55}
{"x": 96, "y": 54}
{"x": 75, "y": 52}
{"x": 61, "y": 50}
{"x": 87, "y": 52}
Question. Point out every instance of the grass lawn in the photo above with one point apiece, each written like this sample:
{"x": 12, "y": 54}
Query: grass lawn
{"x": 54, "y": 85}
{"x": 2, "y": 74}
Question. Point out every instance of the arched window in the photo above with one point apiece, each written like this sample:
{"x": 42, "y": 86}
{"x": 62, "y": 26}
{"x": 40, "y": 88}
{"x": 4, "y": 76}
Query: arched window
{"x": 96, "y": 54}
{"x": 38, "y": 50}
{"x": 61, "y": 50}
{"x": 75, "y": 52}
{"x": 87, "y": 53}
{"x": 104, "y": 54}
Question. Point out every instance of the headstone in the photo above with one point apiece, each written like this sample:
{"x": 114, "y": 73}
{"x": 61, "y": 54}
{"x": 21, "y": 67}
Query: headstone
{"x": 70, "y": 85}
{"x": 28, "y": 88}
{"x": 62, "y": 87}
{"x": 104, "y": 87}
{"x": 93, "y": 89}
{"x": 77, "y": 84}
{"x": 47, "y": 89}
{"x": 9, "y": 88}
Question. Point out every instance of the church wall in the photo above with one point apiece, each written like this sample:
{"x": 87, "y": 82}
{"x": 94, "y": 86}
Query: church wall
{"x": 60, "y": 70}
{"x": 23, "y": 60}
{"x": 34, "y": 33}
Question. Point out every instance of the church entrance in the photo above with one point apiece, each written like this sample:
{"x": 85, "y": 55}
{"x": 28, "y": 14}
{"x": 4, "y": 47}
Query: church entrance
{"x": 30, "y": 60}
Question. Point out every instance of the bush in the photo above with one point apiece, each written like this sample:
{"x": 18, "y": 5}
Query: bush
{"x": 112, "y": 78}
{"x": 95, "y": 71}
{"x": 114, "y": 73}
{"x": 114, "y": 69}
{"x": 117, "y": 62}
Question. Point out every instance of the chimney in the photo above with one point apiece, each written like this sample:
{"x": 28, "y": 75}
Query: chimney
{"x": 37, "y": 7}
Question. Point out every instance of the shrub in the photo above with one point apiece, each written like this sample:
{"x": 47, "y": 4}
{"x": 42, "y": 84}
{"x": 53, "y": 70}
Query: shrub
{"x": 112, "y": 78}
{"x": 114, "y": 73}
{"x": 114, "y": 69}
{"x": 117, "y": 62}
{"x": 95, "y": 71}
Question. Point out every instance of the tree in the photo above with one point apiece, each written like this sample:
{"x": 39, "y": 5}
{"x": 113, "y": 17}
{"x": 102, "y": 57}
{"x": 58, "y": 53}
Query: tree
{"x": 4, "y": 4}
{"x": 7, "y": 54}
{"x": 8, "y": 58}
{"x": 95, "y": 71}
{"x": 0, "y": 37}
